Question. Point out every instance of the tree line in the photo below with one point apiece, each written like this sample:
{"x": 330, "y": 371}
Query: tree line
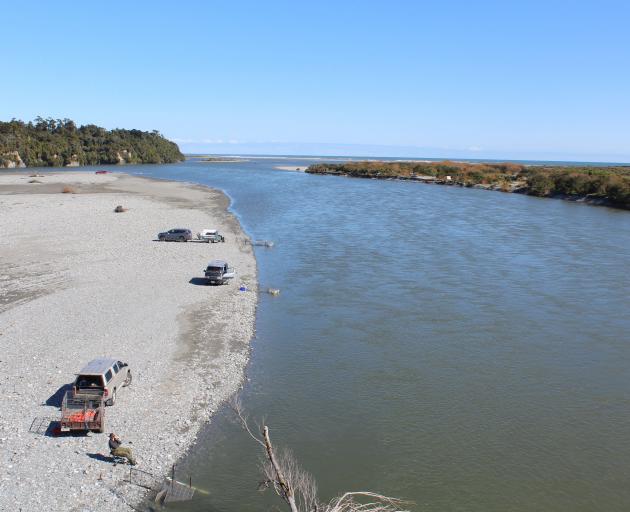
{"x": 610, "y": 184}
{"x": 60, "y": 142}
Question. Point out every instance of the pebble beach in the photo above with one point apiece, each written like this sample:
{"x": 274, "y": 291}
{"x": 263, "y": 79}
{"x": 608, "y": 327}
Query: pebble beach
{"x": 79, "y": 281}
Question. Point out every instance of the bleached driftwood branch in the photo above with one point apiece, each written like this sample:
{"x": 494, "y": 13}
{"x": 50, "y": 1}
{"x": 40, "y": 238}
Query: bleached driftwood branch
{"x": 298, "y": 488}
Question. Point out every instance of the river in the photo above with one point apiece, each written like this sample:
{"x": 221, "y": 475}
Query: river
{"x": 463, "y": 349}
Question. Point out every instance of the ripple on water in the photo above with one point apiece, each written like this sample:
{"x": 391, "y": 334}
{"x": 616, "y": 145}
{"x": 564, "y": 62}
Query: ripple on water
{"x": 461, "y": 348}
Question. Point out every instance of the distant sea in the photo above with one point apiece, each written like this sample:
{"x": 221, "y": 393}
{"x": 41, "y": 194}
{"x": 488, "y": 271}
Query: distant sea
{"x": 333, "y": 158}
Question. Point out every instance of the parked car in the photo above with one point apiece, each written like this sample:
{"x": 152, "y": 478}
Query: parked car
{"x": 210, "y": 236}
{"x": 175, "y": 235}
{"x": 102, "y": 378}
{"x": 219, "y": 272}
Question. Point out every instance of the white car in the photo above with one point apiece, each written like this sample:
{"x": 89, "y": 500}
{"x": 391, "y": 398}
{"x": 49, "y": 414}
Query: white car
{"x": 210, "y": 235}
{"x": 102, "y": 377}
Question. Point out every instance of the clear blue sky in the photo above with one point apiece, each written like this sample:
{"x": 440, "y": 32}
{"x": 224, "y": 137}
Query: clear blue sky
{"x": 505, "y": 79}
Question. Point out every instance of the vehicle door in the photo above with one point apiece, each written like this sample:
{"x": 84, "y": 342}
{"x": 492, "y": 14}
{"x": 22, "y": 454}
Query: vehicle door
{"x": 228, "y": 272}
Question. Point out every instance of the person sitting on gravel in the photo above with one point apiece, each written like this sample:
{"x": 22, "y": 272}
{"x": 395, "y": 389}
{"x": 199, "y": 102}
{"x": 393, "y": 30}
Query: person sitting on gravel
{"x": 117, "y": 450}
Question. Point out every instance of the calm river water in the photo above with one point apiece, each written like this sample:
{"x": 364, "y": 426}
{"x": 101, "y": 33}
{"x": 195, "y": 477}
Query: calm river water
{"x": 464, "y": 349}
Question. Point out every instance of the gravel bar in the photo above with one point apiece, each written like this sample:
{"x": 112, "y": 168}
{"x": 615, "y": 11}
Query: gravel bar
{"x": 78, "y": 281}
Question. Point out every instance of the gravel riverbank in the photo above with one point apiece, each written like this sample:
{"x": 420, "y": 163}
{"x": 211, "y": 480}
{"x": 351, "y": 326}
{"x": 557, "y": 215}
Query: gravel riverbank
{"x": 78, "y": 281}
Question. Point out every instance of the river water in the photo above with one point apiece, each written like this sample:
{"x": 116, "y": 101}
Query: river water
{"x": 464, "y": 349}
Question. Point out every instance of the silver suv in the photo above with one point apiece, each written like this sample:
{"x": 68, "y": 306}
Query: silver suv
{"x": 218, "y": 272}
{"x": 175, "y": 235}
{"x": 102, "y": 377}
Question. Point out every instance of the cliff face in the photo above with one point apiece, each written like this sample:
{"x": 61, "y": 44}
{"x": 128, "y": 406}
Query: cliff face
{"x": 11, "y": 160}
{"x": 124, "y": 156}
{"x": 74, "y": 161}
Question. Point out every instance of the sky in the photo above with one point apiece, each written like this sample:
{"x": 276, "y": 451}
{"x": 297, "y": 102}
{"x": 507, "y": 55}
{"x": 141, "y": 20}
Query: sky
{"x": 505, "y": 79}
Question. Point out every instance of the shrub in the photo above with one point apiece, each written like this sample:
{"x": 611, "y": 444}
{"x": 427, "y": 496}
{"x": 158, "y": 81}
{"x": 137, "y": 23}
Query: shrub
{"x": 611, "y": 183}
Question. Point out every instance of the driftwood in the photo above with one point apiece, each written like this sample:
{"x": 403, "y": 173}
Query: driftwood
{"x": 298, "y": 488}
{"x": 282, "y": 486}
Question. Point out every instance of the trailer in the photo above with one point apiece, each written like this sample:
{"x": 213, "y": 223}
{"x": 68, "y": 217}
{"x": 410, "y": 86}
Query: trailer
{"x": 82, "y": 413}
{"x": 210, "y": 236}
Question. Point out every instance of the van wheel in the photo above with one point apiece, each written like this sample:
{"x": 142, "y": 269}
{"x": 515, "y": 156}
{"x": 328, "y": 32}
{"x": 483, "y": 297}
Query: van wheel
{"x": 127, "y": 379}
{"x": 112, "y": 400}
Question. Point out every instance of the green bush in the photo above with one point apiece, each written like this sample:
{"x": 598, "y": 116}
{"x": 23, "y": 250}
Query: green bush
{"x": 609, "y": 183}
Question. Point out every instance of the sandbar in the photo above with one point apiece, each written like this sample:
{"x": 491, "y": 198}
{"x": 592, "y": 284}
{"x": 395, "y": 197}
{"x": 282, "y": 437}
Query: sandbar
{"x": 78, "y": 281}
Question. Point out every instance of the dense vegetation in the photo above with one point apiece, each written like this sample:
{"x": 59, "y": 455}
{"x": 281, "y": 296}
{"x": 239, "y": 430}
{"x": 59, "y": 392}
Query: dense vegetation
{"x": 59, "y": 142}
{"x": 608, "y": 184}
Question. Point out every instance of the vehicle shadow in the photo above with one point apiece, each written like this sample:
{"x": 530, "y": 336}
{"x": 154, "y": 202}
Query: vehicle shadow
{"x": 54, "y": 430}
{"x": 56, "y": 398}
{"x": 199, "y": 281}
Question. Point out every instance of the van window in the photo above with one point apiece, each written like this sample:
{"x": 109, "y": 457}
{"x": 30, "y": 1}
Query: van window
{"x": 108, "y": 376}
{"x": 116, "y": 369}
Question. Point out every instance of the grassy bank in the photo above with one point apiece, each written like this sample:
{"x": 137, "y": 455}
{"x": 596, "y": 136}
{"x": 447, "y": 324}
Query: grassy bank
{"x": 606, "y": 185}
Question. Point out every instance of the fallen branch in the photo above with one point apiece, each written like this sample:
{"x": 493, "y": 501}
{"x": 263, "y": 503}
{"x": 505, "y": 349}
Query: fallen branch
{"x": 298, "y": 488}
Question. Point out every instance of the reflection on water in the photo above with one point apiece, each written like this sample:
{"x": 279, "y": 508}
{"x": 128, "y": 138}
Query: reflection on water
{"x": 464, "y": 349}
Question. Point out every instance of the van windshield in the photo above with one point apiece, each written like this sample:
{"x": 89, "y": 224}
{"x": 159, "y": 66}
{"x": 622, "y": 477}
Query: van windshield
{"x": 215, "y": 269}
{"x": 89, "y": 381}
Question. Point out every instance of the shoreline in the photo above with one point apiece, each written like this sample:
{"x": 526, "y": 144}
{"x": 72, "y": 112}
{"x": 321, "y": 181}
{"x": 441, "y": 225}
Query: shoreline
{"x": 515, "y": 188}
{"x": 293, "y": 168}
{"x": 94, "y": 283}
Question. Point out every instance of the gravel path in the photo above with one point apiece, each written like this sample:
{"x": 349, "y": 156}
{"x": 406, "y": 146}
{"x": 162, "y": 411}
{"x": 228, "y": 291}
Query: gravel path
{"x": 78, "y": 281}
